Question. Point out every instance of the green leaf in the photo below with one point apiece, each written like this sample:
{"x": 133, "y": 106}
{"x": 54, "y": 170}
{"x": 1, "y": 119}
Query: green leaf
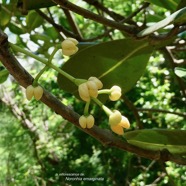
{"x": 32, "y": 5}
{"x": 180, "y": 72}
{"x": 41, "y": 37}
{"x": 33, "y": 20}
{"x": 177, "y": 17}
{"x": 158, "y": 139}
{"x": 3, "y": 74}
{"x": 15, "y": 29}
{"x": 4, "y": 17}
{"x": 168, "y": 4}
{"x": 51, "y": 32}
{"x": 119, "y": 62}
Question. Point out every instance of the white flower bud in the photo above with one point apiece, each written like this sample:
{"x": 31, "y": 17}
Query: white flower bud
{"x": 73, "y": 40}
{"x": 115, "y": 118}
{"x": 92, "y": 88}
{"x": 69, "y": 46}
{"x": 90, "y": 121}
{"x": 70, "y": 52}
{"x": 117, "y": 129}
{"x": 83, "y": 122}
{"x": 86, "y": 122}
{"x": 124, "y": 122}
{"x": 97, "y": 81}
{"x": 29, "y": 92}
{"x": 115, "y": 93}
{"x": 38, "y": 92}
{"x": 84, "y": 92}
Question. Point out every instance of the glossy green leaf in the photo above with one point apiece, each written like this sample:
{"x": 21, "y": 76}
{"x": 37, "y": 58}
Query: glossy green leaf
{"x": 3, "y": 74}
{"x": 168, "y": 4}
{"x": 180, "y": 72}
{"x": 177, "y": 17}
{"x": 33, "y": 20}
{"x": 158, "y": 139}
{"x": 119, "y": 62}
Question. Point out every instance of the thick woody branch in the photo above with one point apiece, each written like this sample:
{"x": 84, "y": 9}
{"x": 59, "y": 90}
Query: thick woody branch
{"x": 103, "y": 136}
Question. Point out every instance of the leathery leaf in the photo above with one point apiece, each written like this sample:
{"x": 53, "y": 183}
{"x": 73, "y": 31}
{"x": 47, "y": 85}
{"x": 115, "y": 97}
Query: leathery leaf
{"x": 158, "y": 139}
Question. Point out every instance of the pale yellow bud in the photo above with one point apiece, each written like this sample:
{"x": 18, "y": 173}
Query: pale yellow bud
{"x": 69, "y": 52}
{"x": 69, "y": 46}
{"x": 29, "y": 92}
{"x": 97, "y": 81}
{"x": 117, "y": 129}
{"x": 86, "y": 122}
{"x": 92, "y": 88}
{"x": 73, "y": 40}
{"x": 38, "y": 92}
{"x": 115, "y": 93}
{"x": 124, "y": 122}
{"x": 83, "y": 122}
{"x": 90, "y": 121}
{"x": 115, "y": 118}
{"x": 84, "y": 92}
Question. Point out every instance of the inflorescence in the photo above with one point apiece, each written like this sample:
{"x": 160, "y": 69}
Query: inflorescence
{"x": 88, "y": 90}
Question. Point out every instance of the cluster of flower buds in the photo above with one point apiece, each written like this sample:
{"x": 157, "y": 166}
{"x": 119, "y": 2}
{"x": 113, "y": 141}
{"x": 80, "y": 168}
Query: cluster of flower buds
{"x": 86, "y": 121}
{"x": 31, "y": 91}
{"x": 89, "y": 88}
{"x": 118, "y": 122}
{"x": 69, "y": 46}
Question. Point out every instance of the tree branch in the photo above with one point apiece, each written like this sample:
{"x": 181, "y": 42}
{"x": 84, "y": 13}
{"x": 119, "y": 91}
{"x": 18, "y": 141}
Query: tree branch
{"x": 72, "y": 23}
{"x": 130, "y": 30}
{"x": 109, "y": 12}
{"x": 102, "y": 135}
{"x": 161, "y": 110}
{"x": 59, "y": 28}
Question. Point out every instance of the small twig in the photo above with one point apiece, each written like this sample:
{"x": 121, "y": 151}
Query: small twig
{"x": 73, "y": 24}
{"x": 59, "y": 28}
{"x": 134, "y": 110}
{"x": 167, "y": 53}
{"x": 161, "y": 110}
{"x": 144, "y": 6}
{"x": 174, "y": 31}
{"x": 111, "y": 13}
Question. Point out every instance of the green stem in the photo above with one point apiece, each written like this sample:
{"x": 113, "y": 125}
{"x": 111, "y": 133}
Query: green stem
{"x": 97, "y": 101}
{"x": 106, "y": 109}
{"x": 39, "y": 75}
{"x": 86, "y": 113}
{"x": 44, "y": 61}
{"x": 104, "y": 91}
{"x": 53, "y": 53}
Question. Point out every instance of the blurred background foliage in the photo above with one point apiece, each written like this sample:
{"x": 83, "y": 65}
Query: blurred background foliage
{"x": 37, "y": 147}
